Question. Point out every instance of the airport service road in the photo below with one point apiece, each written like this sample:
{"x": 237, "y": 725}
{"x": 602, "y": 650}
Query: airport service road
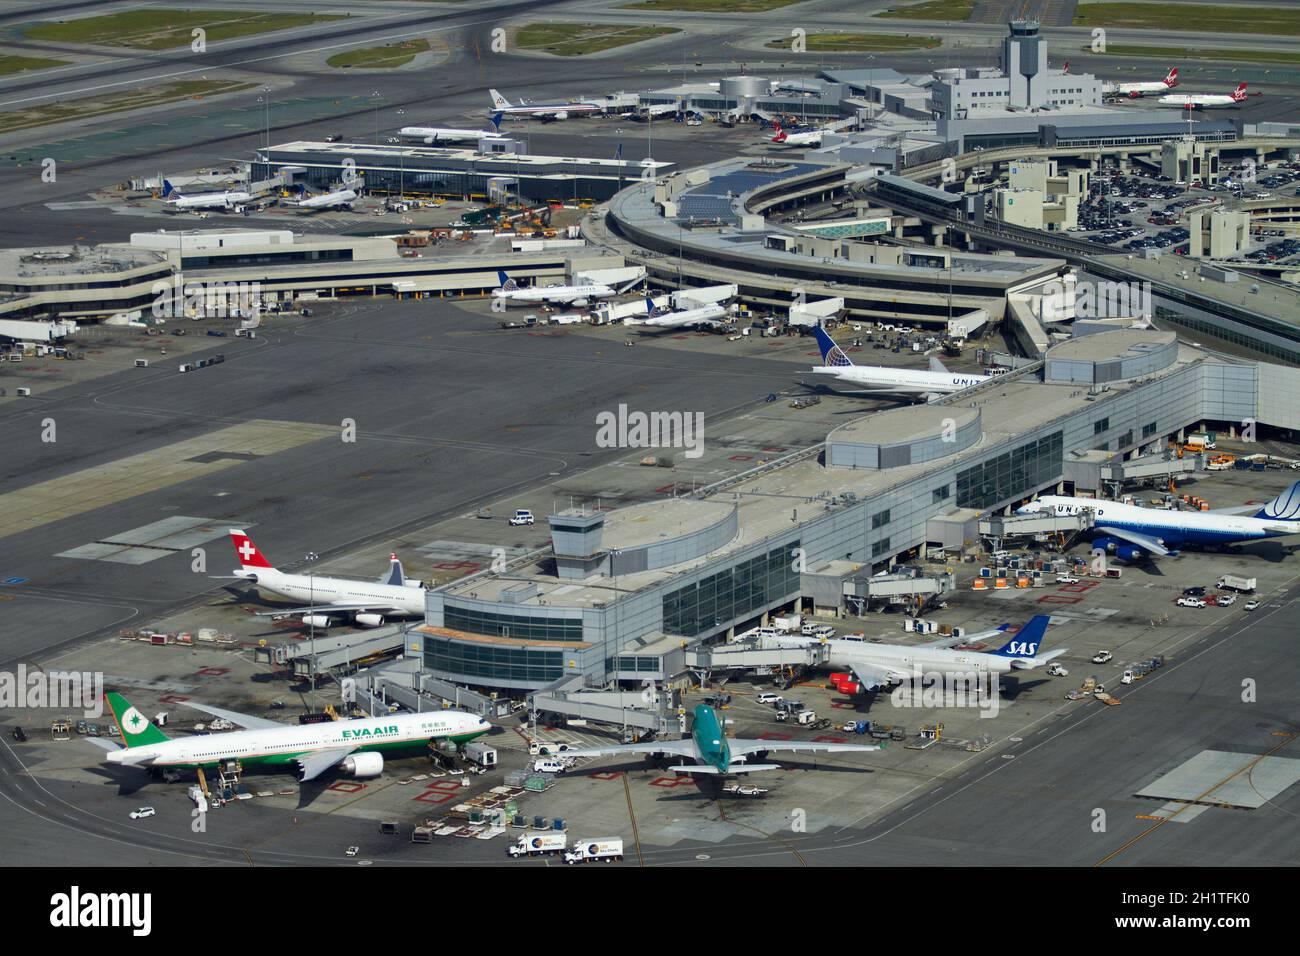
{"x": 450, "y": 411}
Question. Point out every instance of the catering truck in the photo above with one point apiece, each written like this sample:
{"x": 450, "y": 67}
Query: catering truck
{"x": 1232, "y": 582}
{"x": 588, "y": 851}
{"x": 538, "y": 844}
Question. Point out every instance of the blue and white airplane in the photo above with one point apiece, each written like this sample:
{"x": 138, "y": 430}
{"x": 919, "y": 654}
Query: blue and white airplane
{"x": 710, "y": 314}
{"x": 878, "y": 380}
{"x": 1132, "y": 533}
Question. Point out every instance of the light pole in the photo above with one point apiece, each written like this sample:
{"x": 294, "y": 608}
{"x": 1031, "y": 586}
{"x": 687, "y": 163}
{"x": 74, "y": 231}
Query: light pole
{"x": 401, "y": 155}
{"x": 266, "y": 110}
{"x": 376, "y": 96}
{"x": 310, "y": 558}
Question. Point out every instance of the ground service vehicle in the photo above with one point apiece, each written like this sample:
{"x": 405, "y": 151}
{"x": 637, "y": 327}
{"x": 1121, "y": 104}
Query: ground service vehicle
{"x": 522, "y": 517}
{"x": 1102, "y": 657}
{"x": 538, "y": 844}
{"x": 589, "y": 851}
{"x": 1233, "y": 582}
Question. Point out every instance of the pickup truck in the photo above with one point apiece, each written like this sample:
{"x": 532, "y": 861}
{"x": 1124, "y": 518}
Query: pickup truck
{"x": 1102, "y": 657}
{"x": 1191, "y": 602}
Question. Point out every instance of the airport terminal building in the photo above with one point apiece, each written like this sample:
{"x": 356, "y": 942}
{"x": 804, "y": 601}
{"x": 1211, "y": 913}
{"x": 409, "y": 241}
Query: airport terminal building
{"x": 619, "y": 593}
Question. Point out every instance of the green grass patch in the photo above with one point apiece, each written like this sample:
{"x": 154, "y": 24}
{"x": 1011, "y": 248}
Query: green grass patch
{"x": 380, "y": 57}
{"x": 857, "y": 42}
{"x": 89, "y": 107}
{"x": 711, "y": 6}
{"x": 931, "y": 10}
{"x": 575, "y": 39}
{"x": 163, "y": 29}
{"x": 1202, "y": 18}
{"x": 21, "y": 64}
{"x": 1188, "y": 53}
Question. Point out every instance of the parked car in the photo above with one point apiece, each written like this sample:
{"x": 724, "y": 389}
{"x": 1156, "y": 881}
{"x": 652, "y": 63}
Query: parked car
{"x": 20, "y": 735}
{"x": 1192, "y": 602}
{"x": 1251, "y": 605}
{"x": 769, "y": 698}
{"x": 139, "y": 813}
{"x": 1102, "y": 657}
{"x": 1194, "y": 592}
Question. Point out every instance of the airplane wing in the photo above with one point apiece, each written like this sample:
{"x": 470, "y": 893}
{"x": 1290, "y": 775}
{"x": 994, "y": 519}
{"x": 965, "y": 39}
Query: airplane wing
{"x": 680, "y": 748}
{"x": 734, "y": 768}
{"x": 871, "y": 676}
{"x": 936, "y": 365}
{"x": 740, "y": 748}
{"x": 103, "y": 744}
{"x": 315, "y": 764}
{"x": 334, "y": 608}
{"x": 239, "y": 720}
{"x": 950, "y": 641}
{"x": 1144, "y": 541}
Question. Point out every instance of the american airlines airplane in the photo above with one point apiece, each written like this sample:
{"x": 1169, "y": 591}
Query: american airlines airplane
{"x": 881, "y": 665}
{"x": 446, "y": 134}
{"x": 543, "y": 111}
{"x": 878, "y": 380}
{"x": 807, "y": 137}
{"x": 1132, "y": 533}
{"x": 356, "y": 747}
{"x": 579, "y": 295}
{"x": 1138, "y": 90}
{"x": 340, "y": 197}
{"x": 710, "y": 314}
{"x": 369, "y": 603}
{"x": 709, "y": 750}
{"x": 1200, "y": 101}
{"x": 223, "y": 200}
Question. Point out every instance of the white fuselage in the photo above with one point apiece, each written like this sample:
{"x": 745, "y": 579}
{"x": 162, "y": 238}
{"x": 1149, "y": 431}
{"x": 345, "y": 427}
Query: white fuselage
{"x": 340, "y": 198}
{"x": 266, "y": 743}
{"x": 804, "y": 138}
{"x": 1138, "y": 89}
{"x": 708, "y": 313}
{"x": 545, "y": 110}
{"x": 555, "y": 293}
{"x": 444, "y": 134}
{"x": 1199, "y": 100}
{"x": 914, "y": 661}
{"x": 211, "y": 200}
{"x": 1169, "y": 527}
{"x": 316, "y": 590}
{"x": 902, "y": 381}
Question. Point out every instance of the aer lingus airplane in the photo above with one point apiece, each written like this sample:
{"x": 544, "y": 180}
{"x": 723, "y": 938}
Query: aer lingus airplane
{"x": 356, "y": 747}
{"x": 713, "y": 752}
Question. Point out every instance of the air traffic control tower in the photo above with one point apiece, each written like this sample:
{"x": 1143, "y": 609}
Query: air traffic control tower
{"x": 1024, "y": 60}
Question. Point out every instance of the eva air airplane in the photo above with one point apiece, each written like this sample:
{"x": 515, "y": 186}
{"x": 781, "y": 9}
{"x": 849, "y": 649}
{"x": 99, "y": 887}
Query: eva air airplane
{"x": 356, "y": 747}
{"x": 713, "y": 752}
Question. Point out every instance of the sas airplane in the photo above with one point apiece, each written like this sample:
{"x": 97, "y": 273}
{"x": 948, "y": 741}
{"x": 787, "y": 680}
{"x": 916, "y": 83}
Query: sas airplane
{"x": 356, "y": 747}
{"x": 709, "y": 750}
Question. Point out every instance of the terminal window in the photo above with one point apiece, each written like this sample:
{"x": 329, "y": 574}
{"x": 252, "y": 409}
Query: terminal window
{"x": 738, "y": 592}
{"x": 1011, "y": 475}
{"x": 523, "y": 626}
{"x": 940, "y": 494}
{"x": 880, "y": 519}
{"x": 880, "y": 547}
{"x": 1148, "y": 430}
{"x": 1100, "y": 426}
{"x": 492, "y": 662}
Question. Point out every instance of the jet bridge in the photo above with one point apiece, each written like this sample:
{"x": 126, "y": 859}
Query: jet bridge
{"x": 753, "y": 656}
{"x": 1160, "y": 465}
{"x": 998, "y": 527}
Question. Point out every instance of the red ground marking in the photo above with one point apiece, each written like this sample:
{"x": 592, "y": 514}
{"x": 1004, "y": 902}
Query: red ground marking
{"x": 668, "y": 783}
{"x": 1080, "y": 587}
{"x": 445, "y": 786}
{"x": 346, "y": 786}
{"x": 773, "y": 448}
{"x": 842, "y": 704}
{"x": 434, "y": 796}
{"x": 666, "y": 489}
{"x": 213, "y": 671}
{"x": 1058, "y": 599}
{"x": 774, "y": 735}
{"x": 458, "y": 566}
{"x": 606, "y": 775}
{"x": 831, "y": 740}
{"x": 172, "y": 699}
{"x": 741, "y": 458}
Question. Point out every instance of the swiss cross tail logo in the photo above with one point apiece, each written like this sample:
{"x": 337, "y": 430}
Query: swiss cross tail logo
{"x": 246, "y": 550}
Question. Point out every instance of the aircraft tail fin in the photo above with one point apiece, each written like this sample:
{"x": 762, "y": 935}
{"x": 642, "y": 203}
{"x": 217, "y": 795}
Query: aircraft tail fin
{"x": 1285, "y": 507}
{"x": 1240, "y": 92}
{"x": 496, "y": 120}
{"x": 170, "y": 191}
{"x": 832, "y": 354}
{"x": 498, "y": 101}
{"x": 248, "y": 554}
{"x": 1027, "y": 640}
{"x": 395, "y": 577}
{"x": 137, "y": 730}
{"x": 507, "y": 284}
{"x": 1171, "y": 78}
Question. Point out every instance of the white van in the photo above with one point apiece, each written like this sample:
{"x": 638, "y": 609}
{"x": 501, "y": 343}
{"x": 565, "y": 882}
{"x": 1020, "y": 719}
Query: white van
{"x": 550, "y": 765}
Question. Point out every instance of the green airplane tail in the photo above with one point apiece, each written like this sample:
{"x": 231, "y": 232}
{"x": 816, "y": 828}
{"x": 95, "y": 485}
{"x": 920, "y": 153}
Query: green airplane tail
{"x": 137, "y": 730}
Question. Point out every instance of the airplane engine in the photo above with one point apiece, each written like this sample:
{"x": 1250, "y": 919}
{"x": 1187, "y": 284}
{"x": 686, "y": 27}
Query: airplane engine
{"x": 849, "y": 688}
{"x": 1134, "y": 95}
{"x": 370, "y": 620}
{"x": 579, "y": 303}
{"x": 316, "y": 620}
{"x": 1129, "y": 552}
{"x": 1106, "y": 544}
{"x": 841, "y": 677}
{"x": 363, "y": 765}
{"x": 561, "y": 115}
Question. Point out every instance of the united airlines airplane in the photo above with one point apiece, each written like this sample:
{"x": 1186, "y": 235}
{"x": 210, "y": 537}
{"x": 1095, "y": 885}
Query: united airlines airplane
{"x": 878, "y": 380}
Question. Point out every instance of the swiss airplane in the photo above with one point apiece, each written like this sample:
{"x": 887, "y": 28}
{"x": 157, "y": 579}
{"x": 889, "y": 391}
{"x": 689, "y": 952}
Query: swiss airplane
{"x": 1138, "y": 90}
{"x": 368, "y": 602}
{"x": 881, "y": 380}
{"x": 1200, "y": 101}
{"x": 710, "y": 314}
{"x": 223, "y": 200}
{"x": 808, "y": 137}
{"x": 356, "y": 747}
{"x": 579, "y": 295}
{"x": 543, "y": 111}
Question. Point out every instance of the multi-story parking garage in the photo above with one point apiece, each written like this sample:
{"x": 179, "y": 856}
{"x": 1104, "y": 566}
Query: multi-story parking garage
{"x": 619, "y": 592}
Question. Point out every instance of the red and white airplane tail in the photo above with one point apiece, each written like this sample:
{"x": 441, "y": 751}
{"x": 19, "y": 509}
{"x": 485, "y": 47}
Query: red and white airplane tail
{"x": 246, "y": 551}
{"x": 1066, "y": 67}
{"x": 780, "y": 136}
{"x": 1239, "y": 94}
{"x": 1171, "y": 78}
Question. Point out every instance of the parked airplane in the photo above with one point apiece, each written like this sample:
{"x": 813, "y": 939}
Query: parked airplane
{"x": 712, "y": 752}
{"x": 710, "y": 314}
{"x": 880, "y": 380}
{"x": 1132, "y": 533}
{"x": 1200, "y": 101}
{"x": 368, "y": 602}
{"x": 543, "y": 111}
{"x": 1139, "y": 89}
{"x": 881, "y": 665}
{"x": 222, "y": 200}
{"x": 579, "y": 295}
{"x": 340, "y": 197}
{"x": 445, "y": 134}
{"x": 356, "y": 747}
{"x": 805, "y": 137}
